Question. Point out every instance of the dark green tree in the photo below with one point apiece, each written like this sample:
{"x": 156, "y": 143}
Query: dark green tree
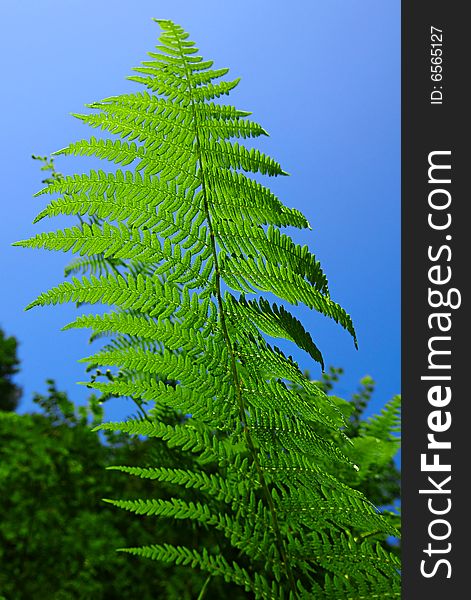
{"x": 58, "y": 540}
{"x": 10, "y": 393}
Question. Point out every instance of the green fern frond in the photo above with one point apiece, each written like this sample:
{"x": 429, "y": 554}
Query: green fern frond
{"x": 216, "y": 565}
{"x": 167, "y": 242}
{"x": 212, "y": 484}
{"x": 385, "y": 425}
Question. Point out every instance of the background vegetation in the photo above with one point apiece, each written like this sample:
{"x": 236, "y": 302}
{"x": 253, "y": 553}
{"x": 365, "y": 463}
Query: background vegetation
{"x": 58, "y": 539}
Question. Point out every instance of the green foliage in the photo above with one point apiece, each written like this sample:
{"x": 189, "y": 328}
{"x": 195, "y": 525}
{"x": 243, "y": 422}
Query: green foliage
{"x": 165, "y": 245}
{"x": 375, "y": 440}
{"x": 10, "y": 393}
{"x": 57, "y": 540}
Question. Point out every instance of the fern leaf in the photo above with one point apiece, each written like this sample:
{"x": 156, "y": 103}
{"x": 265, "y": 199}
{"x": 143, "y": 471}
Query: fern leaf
{"x": 166, "y": 242}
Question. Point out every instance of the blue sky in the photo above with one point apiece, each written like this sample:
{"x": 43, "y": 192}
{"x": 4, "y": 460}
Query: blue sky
{"x": 322, "y": 76}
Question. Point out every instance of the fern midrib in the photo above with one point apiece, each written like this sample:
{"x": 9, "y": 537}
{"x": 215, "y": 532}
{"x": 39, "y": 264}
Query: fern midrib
{"x": 225, "y": 333}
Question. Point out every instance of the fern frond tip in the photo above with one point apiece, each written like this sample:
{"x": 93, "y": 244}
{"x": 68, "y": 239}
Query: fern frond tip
{"x": 59, "y": 152}
{"x": 166, "y": 21}
{"x": 41, "y": 192}
{"x": 80, "y": 116}
{"x": 32, "y": 305}
{"x": 41, "y": 216}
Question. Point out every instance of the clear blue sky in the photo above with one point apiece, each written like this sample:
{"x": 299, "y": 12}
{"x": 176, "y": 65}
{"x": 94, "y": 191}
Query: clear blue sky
{"x": 322, "y": 76}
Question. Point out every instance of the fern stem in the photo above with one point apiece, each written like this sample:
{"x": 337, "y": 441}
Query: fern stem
{"x": 227, "y": 339}
{"x": 204, "y": 588}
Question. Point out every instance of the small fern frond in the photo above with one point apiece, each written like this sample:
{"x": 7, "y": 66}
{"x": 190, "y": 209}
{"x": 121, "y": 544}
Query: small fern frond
{"x": 388, "y": 423}
{"x": 215, "y": 564}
